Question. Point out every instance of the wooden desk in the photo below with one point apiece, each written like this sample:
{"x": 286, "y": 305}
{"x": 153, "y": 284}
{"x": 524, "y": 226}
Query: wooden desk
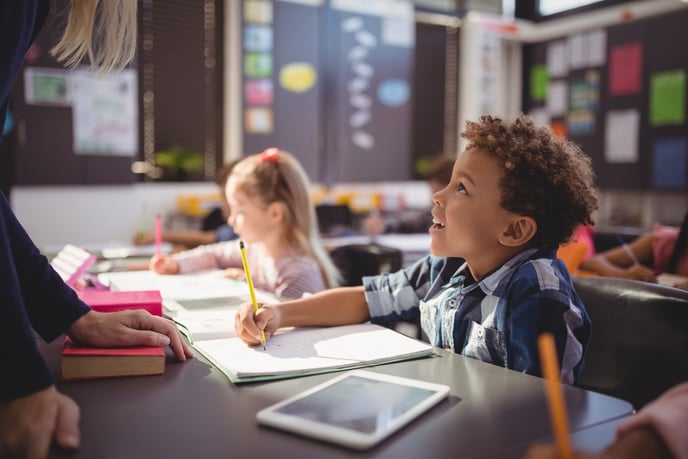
{"x": 193, "y": 411}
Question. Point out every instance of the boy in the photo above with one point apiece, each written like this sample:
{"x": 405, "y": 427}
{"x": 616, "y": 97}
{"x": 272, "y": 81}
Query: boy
{"x": 493, "y": 282}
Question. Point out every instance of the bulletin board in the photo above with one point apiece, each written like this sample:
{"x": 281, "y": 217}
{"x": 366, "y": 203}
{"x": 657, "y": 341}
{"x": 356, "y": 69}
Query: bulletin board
{"x": 620, "y": 93}
{"x": 334, "y": 91}
{"x": 74, "y": 127}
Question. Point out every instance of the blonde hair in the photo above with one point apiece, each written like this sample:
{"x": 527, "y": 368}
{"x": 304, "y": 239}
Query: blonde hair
{"x": 276, "y": 176}
{"x": 103, "y": 31}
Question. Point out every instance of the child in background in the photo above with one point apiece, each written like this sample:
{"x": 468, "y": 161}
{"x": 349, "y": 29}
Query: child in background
{"x": 493, "y": 283}
{"x": 662, "y": 250}
{"x": 417, "y": 221}
{"x": 272, "y": 211}
{"x": 214, "y": 226}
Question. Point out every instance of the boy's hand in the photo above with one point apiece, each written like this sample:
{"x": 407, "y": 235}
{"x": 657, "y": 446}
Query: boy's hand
{"x": 134, "y": 327}
{"x": 163, "y": 265}
{"x": 248, "y": 323}
{"x": 30, "y": 424}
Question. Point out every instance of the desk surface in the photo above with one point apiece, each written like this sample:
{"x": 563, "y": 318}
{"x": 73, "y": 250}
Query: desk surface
{"x": 194, "y": 411}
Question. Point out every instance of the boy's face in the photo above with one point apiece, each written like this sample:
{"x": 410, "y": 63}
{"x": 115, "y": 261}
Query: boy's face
{"x": 468, "y": 218}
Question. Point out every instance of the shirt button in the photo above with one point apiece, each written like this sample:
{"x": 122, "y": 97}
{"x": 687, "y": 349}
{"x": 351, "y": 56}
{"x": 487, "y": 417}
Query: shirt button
{"x": 452, "y": 302}
{"x": 480, "y": 333}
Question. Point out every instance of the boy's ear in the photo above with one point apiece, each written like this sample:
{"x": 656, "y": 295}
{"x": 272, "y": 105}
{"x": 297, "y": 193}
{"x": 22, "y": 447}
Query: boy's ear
{"x": 519, "y": 232}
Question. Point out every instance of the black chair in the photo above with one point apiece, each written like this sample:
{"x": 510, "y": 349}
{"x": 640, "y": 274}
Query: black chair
{"x": 639, "y": 343}
{"x": 334, "y": 219}
{"x": 357, "y": 260}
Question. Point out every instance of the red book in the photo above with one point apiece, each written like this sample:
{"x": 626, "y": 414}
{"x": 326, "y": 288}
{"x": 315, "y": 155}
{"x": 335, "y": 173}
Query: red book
{"x": 83, "y": 362}
{"x": 116, "y": 300}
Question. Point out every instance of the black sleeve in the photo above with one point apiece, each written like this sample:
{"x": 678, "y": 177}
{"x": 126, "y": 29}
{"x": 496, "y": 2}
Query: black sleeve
{"x": 32, "y": 297}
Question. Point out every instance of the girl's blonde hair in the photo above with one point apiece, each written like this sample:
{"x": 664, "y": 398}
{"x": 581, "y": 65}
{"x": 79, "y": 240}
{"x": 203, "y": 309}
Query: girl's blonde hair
{"x": 104, "y": 31}
{"x": 276, "y": 176}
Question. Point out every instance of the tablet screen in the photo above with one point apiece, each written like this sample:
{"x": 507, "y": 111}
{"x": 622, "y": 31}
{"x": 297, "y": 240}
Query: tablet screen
{"x": 355, "y": 403}
{"x": 356, "y": 409}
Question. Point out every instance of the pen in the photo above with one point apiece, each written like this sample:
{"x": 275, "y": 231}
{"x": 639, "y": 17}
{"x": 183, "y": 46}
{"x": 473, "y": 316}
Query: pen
{"x": 251, "y": 290}
{"x": 555, "y": 395}
{"x": 628, "y": 250}
{"x": 158, "y": 238}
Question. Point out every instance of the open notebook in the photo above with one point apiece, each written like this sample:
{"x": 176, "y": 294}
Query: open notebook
{"x": 294, "y": 352}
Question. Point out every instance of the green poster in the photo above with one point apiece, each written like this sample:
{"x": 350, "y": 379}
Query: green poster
{"x": 539, "y": 81}
{"x": 667, "y": 98}
{"x": 258, "y": 65}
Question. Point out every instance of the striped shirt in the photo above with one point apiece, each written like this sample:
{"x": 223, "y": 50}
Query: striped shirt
{"x": 287, "y": 277}
{"x": 497, "y": 319}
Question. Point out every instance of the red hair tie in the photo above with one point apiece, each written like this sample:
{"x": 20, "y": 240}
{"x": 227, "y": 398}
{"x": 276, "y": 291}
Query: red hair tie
{"x": 270, "y": 154}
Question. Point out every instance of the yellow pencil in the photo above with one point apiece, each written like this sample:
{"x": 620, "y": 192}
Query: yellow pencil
{"x": 555, "y": 395}
{"x": 249, "y": 280}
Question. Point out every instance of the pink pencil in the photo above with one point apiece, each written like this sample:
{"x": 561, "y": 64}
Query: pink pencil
{"x": 158, "y": 237}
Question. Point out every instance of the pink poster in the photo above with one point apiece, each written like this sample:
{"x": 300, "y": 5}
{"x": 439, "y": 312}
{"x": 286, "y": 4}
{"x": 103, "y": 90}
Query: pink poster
{"x": 625, "y": 69}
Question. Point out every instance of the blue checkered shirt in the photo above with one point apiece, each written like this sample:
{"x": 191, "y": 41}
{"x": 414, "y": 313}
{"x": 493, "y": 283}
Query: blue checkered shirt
{"x": 497, "y": 319}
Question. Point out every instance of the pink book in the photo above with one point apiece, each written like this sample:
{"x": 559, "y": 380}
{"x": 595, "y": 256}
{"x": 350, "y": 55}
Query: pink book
{"x": 116, "y": 300}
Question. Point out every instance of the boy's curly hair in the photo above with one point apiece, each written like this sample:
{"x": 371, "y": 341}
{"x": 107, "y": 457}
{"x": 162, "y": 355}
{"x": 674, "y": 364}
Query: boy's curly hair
{"x": 545, "y": 177}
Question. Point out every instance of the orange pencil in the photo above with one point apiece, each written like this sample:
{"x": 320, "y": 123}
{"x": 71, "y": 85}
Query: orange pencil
{"x": 555, "y": 394}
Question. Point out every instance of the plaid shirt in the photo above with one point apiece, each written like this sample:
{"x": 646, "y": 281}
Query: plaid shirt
{"x": 497, "y": 319}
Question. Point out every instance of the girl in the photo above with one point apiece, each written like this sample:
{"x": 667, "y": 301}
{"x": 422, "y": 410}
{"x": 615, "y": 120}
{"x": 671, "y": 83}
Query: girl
{"x": 271, "y": 210}
{"x": 663, "y": 249}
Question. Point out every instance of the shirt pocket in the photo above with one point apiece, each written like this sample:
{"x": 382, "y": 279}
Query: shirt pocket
{"x": 486, "y": 344}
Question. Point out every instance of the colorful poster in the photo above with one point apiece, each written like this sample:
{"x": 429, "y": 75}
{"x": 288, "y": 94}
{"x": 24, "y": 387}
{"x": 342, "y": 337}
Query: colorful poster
{"x": 258, "y": 65}
{"x": 105, "y": 113}
{"x": 258, "y": 92}
{"x": 625, "y": 69}
{"x": 669, "y": 164}
{"x": 259, "y": 120}
{"x": 583, "y": 102}
{"x": 667, "y": 98}
{"x": 258, "y": 11}
{"x": 257, "y": 38}
{"x": 45, "y": 86}
{"x": 539, "y": 81}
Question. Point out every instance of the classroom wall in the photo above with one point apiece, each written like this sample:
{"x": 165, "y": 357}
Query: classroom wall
{"x": 55, "y": 216}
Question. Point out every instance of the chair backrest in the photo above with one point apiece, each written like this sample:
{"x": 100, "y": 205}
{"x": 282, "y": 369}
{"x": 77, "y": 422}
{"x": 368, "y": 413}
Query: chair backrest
{"x": 639, "y": 343}
{"x": 357, "y": 260}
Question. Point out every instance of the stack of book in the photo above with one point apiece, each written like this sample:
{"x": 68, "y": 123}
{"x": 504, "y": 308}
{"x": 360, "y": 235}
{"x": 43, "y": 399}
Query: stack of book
{"x": 85, "y": 362}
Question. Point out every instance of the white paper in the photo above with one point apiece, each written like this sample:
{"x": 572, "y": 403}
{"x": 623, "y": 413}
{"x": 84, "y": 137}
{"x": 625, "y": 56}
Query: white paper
{"x": 557, "y": 98}
{"x": 557, "y": 59}
{"x": 597, "y": 48}
{"x": 621, "y": 136}
{"x": 185, "y": 287}
{"x": 578, "y": 51}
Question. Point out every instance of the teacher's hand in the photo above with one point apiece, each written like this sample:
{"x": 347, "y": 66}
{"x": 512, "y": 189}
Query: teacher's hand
{"x": 30, "y": 424}
{"x": 135, "y": 327}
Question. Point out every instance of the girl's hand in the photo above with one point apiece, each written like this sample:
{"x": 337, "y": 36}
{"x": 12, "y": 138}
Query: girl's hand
{"x": 249, "y": 323}
{"x": 163, "y": 265}
{"x": 641, "y": 273}
{"x": 234, "y": 273}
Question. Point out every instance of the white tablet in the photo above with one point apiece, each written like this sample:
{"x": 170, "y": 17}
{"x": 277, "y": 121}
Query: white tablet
{"x": 357, "y": 409}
